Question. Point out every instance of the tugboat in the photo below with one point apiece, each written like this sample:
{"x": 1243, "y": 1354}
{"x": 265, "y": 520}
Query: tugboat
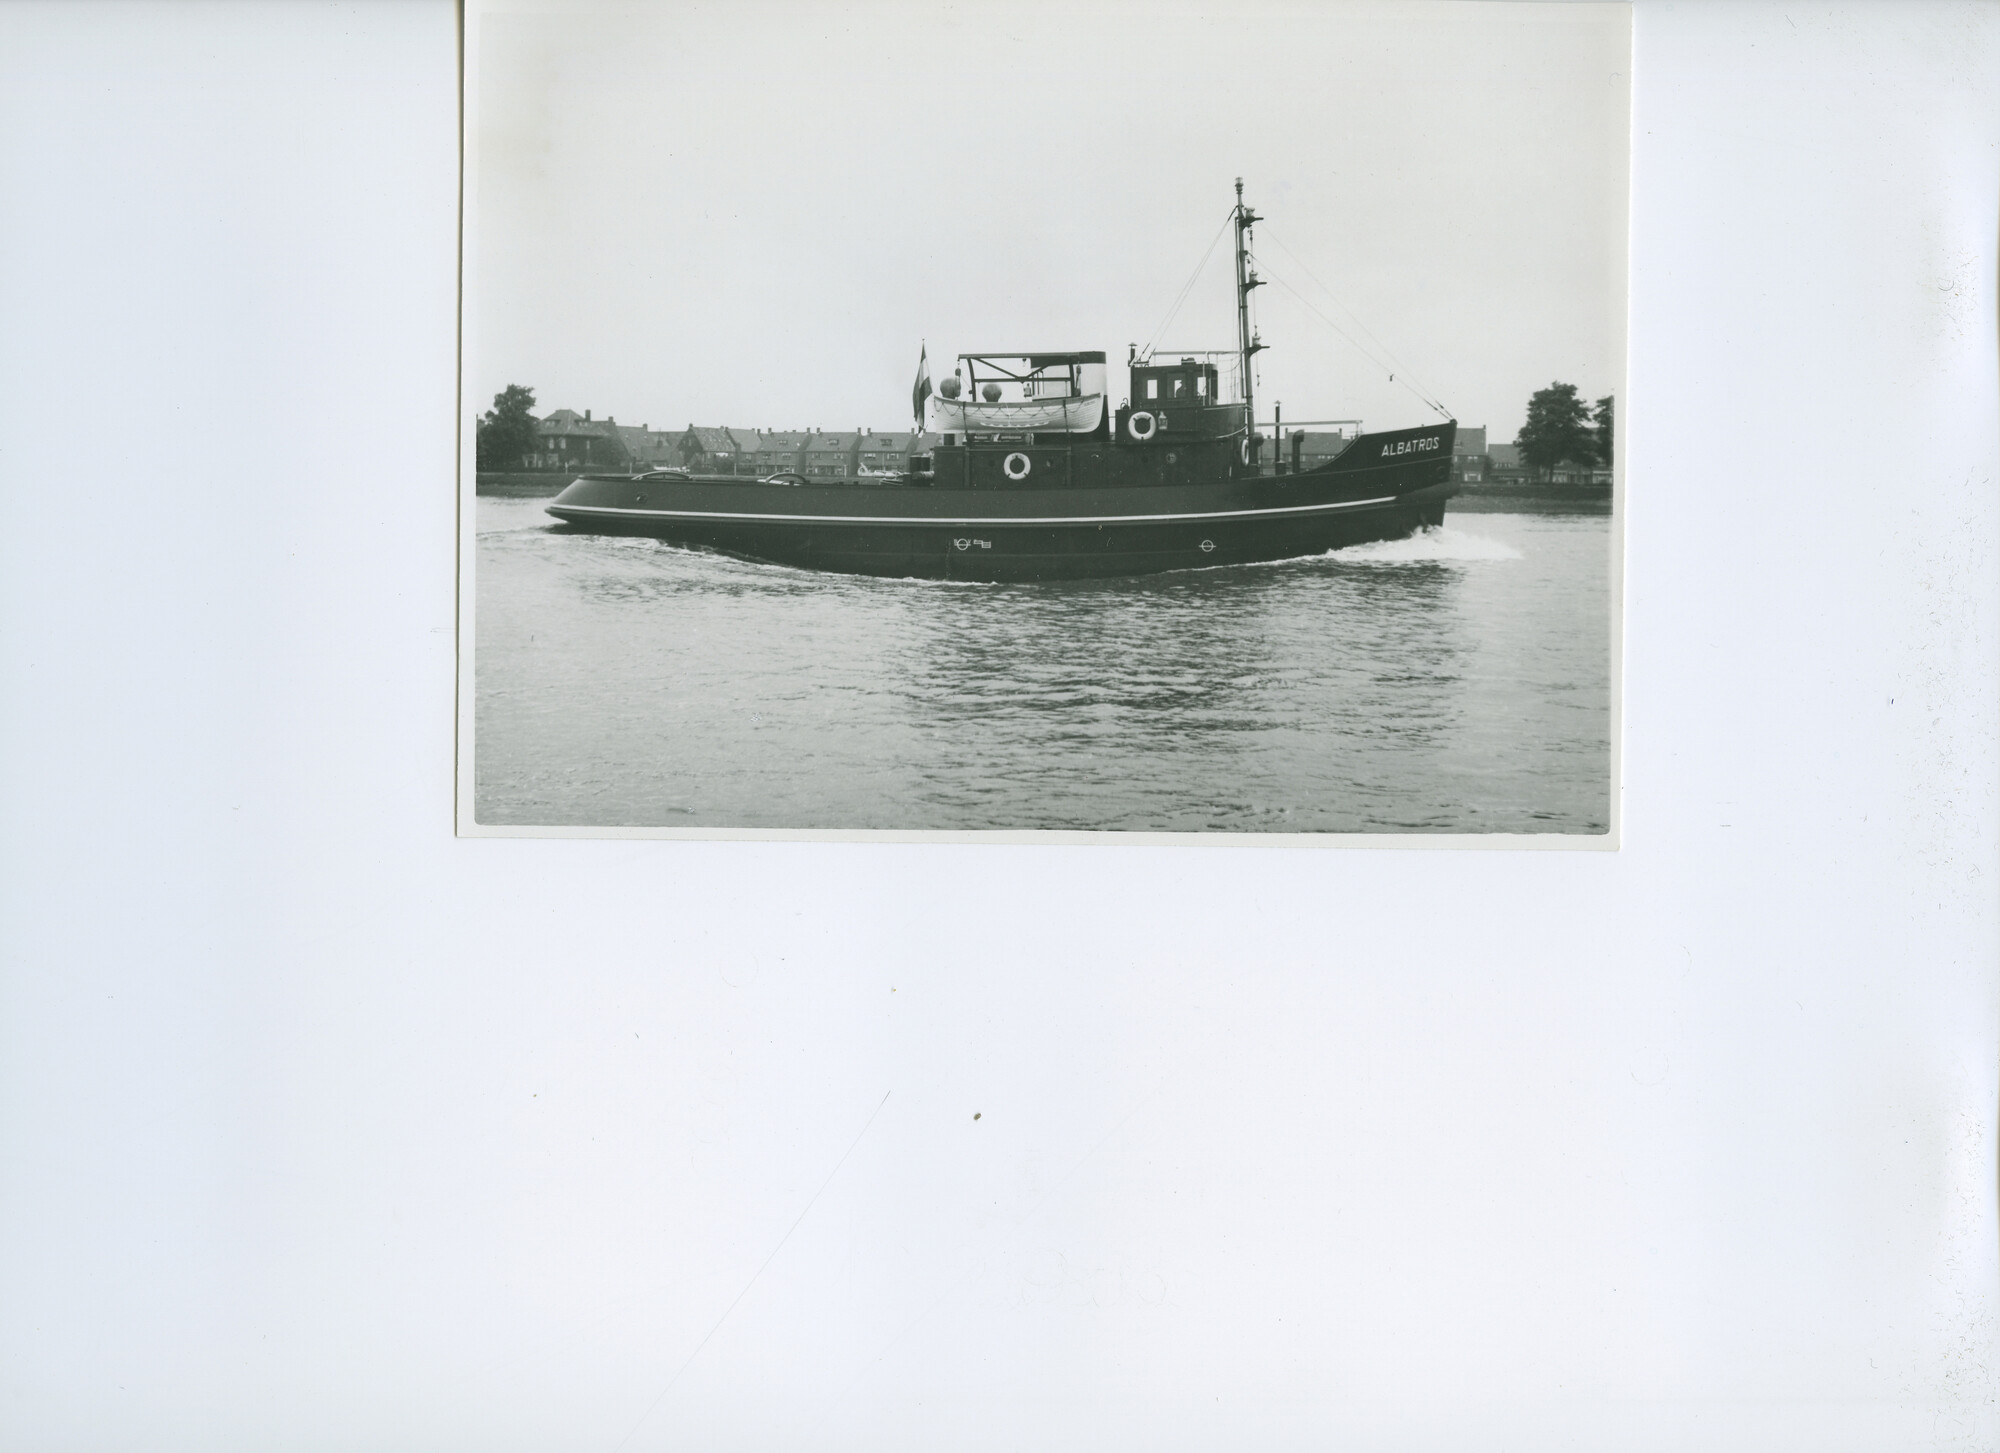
{"x": 1036, "y": 479}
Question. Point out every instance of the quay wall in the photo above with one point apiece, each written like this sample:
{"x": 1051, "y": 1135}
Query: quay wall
{"x": 1528, "y": 504}
{"x": 1529, "y": 496}
{"x": 523, "y": 484}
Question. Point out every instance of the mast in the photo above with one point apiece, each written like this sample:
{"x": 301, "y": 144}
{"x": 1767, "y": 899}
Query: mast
{"x": 1246, "y": 344}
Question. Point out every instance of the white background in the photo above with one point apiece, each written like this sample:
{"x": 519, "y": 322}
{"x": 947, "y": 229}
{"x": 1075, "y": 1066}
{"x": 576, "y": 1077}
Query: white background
{"x": 325, "y": 1129}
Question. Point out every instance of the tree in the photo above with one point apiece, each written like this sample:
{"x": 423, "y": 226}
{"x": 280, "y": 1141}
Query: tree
{"x": 508, "y": 430}
{"x": 1557, "y": 430}
{"x": 1603, "y": 418}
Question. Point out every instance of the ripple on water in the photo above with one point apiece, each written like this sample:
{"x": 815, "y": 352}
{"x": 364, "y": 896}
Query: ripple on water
{"x": 1454, "y": 682}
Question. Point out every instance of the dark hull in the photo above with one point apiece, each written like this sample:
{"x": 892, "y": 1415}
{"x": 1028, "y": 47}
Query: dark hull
{"x": 992, "y": 533}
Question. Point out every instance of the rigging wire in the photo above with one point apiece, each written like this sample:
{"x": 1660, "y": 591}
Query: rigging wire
{"x": 1334, "y": 298}
{"x": 1391, "y": 367}
{"x": 1379, "y": 354}
{"x": 1188, "y": 287}
{"x": 1393, "y": 364}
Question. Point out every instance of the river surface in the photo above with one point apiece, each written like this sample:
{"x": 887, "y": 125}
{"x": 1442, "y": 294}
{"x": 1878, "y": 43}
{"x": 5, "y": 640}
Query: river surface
{"x": 1458, "y": 682}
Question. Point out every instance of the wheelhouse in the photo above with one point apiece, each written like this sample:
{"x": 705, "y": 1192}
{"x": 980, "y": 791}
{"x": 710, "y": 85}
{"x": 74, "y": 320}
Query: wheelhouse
{"x": 1188, "y": 383}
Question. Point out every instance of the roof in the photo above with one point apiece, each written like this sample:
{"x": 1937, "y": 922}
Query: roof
{"x": 826, "y": 443}
{"x": 569, "y": 421}
{"x": 1470, "y": 439}
{"x": 712, "y": 441}
{"x": 903, "y": 440}
{"x": 1507, "y": 456}
{"x": 783, "y": 441}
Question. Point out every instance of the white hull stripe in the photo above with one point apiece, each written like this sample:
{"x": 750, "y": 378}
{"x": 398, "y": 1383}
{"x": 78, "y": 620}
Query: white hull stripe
{"x": 944, "y": 520}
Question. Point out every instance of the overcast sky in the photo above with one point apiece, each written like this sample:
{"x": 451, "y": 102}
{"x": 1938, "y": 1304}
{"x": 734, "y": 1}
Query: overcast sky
{"x": 753, "y": 214}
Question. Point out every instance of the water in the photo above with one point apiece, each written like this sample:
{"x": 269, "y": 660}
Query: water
{"x": 1455, "y": 682}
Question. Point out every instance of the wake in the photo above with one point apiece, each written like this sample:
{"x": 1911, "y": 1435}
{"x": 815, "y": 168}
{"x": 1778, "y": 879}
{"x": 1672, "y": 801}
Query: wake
{"x": 1432, "y": 543}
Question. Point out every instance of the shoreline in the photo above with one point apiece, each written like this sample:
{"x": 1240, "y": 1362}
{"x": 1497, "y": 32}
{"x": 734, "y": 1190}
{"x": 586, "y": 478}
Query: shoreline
{"x": 1528, "y": 504}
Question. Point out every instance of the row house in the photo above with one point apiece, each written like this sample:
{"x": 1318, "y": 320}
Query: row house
{"x": 1509, "y": 467}
{"x": 832, "y": 456}
{"x": 774, "y": 451}
{"x": 646, "y": 449}
{"x": 750, "y": 453}
{"x": 1468, "y": 454}
{"x": 709, "y": 451}
{"x": 886, "y": 453}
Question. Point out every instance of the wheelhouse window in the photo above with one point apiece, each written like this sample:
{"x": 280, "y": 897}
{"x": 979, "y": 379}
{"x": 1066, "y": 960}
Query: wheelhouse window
{"x": 1189, "y": 381}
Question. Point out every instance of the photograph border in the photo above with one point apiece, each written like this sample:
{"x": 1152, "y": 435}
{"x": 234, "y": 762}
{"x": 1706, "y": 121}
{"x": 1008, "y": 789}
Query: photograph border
{"x": 467, "y": 824}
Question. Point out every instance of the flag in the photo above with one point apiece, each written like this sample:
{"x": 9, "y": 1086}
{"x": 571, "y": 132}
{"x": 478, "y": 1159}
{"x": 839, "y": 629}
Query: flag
{"x": 922, "y": 388}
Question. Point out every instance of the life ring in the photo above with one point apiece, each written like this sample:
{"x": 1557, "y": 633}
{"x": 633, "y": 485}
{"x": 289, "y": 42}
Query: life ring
{"x": 1244, "y": 450}
{"x": 1017, "y": 466}
{"x": 1139, "y": 430}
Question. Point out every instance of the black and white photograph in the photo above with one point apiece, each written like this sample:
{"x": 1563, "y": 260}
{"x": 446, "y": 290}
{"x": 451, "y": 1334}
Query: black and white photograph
{"x": 1044, "y": 419}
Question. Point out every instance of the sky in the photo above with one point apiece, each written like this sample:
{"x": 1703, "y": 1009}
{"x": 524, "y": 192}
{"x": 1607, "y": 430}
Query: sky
{"x": 756, "y": 214}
